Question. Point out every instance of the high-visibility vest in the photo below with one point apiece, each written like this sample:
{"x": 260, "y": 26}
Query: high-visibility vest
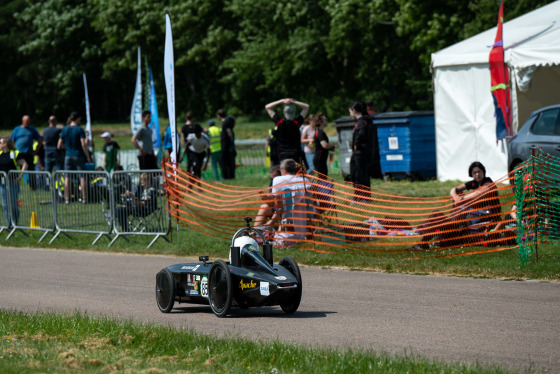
{"x": 13, "y": 156}
{"x": 215, "y": 135}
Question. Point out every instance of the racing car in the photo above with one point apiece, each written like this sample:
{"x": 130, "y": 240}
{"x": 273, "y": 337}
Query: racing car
{"x": 249, "y": 279}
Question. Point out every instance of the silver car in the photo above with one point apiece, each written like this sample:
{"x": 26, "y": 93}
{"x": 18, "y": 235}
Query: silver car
{"x": 542, "y": 129}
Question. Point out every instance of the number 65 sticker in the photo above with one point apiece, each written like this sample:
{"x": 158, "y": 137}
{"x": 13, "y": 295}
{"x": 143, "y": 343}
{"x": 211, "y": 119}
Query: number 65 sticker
{"x": 204, "y": 287}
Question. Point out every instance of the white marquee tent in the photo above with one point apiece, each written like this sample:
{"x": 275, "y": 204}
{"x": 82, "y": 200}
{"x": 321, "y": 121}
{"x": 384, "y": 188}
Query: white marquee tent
{"x": 464, "y": 109}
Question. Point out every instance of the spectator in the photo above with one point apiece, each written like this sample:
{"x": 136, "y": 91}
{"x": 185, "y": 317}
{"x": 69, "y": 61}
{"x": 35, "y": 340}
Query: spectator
{"x": 168, "y": 144}
{"x": 142, "y": 140}
{"x": 73, "y": 138}
{"x": 266, "y": 210}
{"x": 199, "y": 148}
{"x": 10, "y": 159}
{"x": 322, "y": 146}
{"x": 484, "y": 199}
{"x": 215, "y": 148}
{"x": 23, "y": 137}
{"x": 228, "y": 144}
{"x": 53, "y": 157}
{"x": 287, "y": 128}
{"x": 371, "y": 109}
{"x": 308, "y": 140}
{"x": 121, "y": 183}
{"x": 39, "y": 151}
{"x": 138, "y": 206}
{"x": 292, "y": 205}
{"x": 364, "y": 142}
{"x": 271, "y": 145}
{"x": 111, "y": 152}
{"x": 186, "y": 130}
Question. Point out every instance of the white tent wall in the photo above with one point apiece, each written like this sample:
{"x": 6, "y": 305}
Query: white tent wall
{"x": 465, "y": 123}
{"x": 463, "y": 105}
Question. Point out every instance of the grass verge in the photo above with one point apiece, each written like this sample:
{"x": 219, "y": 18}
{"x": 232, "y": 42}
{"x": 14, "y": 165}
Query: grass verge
{"x": 37, "y": 343}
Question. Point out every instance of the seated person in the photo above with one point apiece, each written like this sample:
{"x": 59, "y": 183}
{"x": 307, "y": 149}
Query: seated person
{"x": 291, "y": 206}
{"x": 138, "y": 207}
{"x": 484, "y": 200}
{"x": 266, "y": 210}
{"x": 121, "y": 183}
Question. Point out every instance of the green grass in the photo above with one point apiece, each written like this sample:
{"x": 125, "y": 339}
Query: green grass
{"x": 193, "y": 244}
{"x": 38, "y": 343}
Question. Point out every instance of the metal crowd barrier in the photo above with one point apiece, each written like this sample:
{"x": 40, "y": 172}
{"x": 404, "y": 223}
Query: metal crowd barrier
{"x": 81, "y": 200}
{"x": 140, "y": 205}
{"x": 5, "y": 217}
{"x": 29, "y": 199}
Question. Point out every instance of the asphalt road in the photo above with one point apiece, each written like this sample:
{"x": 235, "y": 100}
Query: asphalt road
{"x": 509, "y": 323}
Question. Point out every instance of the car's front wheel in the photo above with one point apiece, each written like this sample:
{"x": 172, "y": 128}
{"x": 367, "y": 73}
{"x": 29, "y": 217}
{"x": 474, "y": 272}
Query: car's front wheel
{"x": 220, "y": 286}
{"x": 165, "y": 290}
{"x": 292, "y": 305}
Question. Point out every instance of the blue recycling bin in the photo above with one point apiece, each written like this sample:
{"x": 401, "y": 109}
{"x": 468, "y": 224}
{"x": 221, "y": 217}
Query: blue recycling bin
{"x": 407, "y": 144}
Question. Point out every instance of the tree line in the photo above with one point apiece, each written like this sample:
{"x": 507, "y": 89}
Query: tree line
{"x": 235, "y": 54}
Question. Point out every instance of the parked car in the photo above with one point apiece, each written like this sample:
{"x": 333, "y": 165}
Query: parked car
{"x": 542, "y": 129}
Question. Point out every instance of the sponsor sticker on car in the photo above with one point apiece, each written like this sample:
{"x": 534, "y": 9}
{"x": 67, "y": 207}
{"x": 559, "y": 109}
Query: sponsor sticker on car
{"x": 265, "y": 290}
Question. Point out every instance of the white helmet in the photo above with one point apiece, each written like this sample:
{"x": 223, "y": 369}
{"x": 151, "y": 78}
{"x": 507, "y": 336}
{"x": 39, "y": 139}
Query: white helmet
{"x": 244, "y": 243}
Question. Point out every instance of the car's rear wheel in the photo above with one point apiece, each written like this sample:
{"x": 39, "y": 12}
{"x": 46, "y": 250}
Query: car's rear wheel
{"x": 292, "y": 305}
{"x": 220, "y": 286}
{"x": 165, "y": 290}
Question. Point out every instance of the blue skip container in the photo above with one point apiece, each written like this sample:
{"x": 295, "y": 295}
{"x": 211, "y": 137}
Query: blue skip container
{"x": 407, "y": 144}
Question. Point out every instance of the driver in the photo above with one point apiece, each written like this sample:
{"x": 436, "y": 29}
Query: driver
{"x": 245, "y": 244}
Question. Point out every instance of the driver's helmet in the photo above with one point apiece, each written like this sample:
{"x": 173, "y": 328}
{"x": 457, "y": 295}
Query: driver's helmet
{"x": 244, "y": 243}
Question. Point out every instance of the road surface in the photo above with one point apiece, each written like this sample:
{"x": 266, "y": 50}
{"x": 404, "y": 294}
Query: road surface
{"x": 509, "y": 323}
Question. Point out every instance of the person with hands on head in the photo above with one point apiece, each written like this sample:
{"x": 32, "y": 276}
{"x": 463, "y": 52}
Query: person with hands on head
{"x": 287, "y": 129}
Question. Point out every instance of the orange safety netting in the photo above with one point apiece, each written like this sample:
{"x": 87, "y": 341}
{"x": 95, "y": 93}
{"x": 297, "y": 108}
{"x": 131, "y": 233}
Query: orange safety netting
{"x": 326, "y": 216}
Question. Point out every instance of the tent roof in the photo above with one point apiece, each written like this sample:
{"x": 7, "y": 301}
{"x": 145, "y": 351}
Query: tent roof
{"x": 531, "y": 39}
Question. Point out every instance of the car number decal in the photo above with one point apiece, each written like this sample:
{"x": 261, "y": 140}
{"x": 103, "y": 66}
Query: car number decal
{"x": 204, "y": 287}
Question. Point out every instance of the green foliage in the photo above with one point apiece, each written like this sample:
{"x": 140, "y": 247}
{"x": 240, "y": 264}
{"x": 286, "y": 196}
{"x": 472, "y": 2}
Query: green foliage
{"x": 235, "y": 54}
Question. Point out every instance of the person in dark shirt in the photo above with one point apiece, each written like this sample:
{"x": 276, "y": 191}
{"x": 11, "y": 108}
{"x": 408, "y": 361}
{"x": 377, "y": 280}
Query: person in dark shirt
{"x": 484, "y": 197}
{"x": 187, "y": 129}
{"x": 322, "y": 145}
{"x": 73, "y": 138}
{"x": 53, "y": 159}
{"x": 23, "y": 136}
{"x": 364, "y": 142}
{"x": 10, "y": 159}
{"x": 288, "y": 136}
{"x": 228, "y": 144}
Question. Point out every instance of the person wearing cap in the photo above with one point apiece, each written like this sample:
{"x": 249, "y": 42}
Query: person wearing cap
{"x": 215, "y": 134}
{"x": 53, "y": 156}
{"x": 288, "y": 136}
{"x": 23, "y": 136}
{"x": 111, "y": 152}
{"x": 73, "y": 139}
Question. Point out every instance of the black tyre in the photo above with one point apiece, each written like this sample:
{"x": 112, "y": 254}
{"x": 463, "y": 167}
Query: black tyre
{"x": 165, "y": 290}
{"x": 293, "y": 304}
{"x": 220, "y": 288}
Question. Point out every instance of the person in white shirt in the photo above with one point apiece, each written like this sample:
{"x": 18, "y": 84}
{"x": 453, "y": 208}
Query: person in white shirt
{"x": 198, "y": 144}
{"x": 293, "y": 204}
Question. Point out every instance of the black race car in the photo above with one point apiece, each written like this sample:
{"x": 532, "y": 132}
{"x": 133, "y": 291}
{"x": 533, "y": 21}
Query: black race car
{"x": 249, "y": 279}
